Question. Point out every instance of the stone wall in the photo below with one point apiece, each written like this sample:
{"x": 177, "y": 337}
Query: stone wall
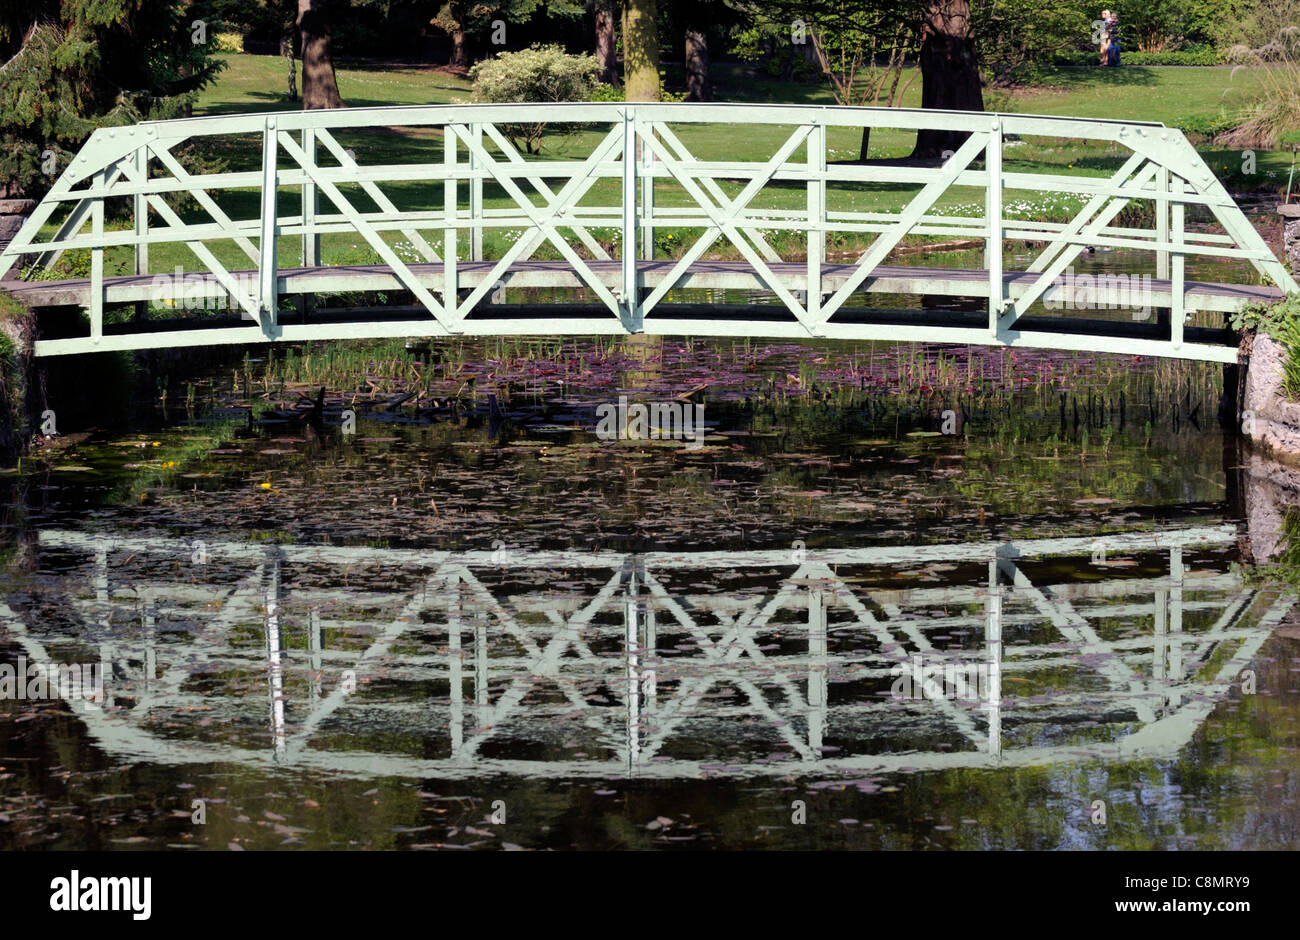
{"x": 13, "y": 213}
{"x": 1269, "y": 417}
{"x": 1291, "y": 235}
{"x": 1271, "y": 489}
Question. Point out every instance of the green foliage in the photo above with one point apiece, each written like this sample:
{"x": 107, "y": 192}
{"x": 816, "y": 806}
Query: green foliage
{"x": 603, "y": 92}
{"x": 859, "y": 49}
{"x": 1281, "y": 321}
{"x": 1206, "y": 125}
{"x": 75, "y": 65}
{"x": 1015, "y": 35}
{"x": 15, "y": 320}
{"x": 538, "y": 73}
{"x": 1154, "y": 25}
{"x": 475, "y": 17}
{"x": 1271, "y": 74}
{"x": 1197, "y": 56}
{"x": 1285, "y": 568}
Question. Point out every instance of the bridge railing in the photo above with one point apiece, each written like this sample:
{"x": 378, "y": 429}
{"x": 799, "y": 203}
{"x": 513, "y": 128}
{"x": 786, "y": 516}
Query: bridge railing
{"x": 308, "y": 185}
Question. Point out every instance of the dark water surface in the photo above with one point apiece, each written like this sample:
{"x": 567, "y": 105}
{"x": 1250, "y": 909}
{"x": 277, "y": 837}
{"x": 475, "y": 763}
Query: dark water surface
{"x": 473, "y": 624}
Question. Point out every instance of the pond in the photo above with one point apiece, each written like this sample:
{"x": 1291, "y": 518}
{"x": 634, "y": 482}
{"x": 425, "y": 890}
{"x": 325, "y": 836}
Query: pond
{"x": 890, "y": 598}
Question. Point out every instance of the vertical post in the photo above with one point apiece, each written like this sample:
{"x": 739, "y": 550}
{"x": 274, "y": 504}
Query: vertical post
{"x": 631, "y": 632}
{"x": 315, "y": 655}
{"x": 1176, "y": 618}
{"x": 993, "y": 215}
{"x": 480, "y": 669}
{"x": 310, "y": 205}
{"x": 96, "y": 311}
{"x": 476, "y": 195}
{"x": 273, "y": 653}
{"x": 141, "y": 213}
{"x": 631, "y": 296}
{"x": 106, "y": 672}
{"x": 450, "y": 202}
{"x": 268, "y": 300}
{"x": 1177, "y": 279}
{"x": 647, "y": 158}
{"x": 101, "y": 581}
{"x": 993, "y": 650}
{"x": 148, "y": 621}
{"x": 457, "y": 680}
{"x": 1159, "y": 643}
{"x": 1162, "y": 223}
{"x": 816, "y": 218}
{"x": 649, "y": 682}
{"x": 816, "y": 667}
{"x": 104, "y": 614}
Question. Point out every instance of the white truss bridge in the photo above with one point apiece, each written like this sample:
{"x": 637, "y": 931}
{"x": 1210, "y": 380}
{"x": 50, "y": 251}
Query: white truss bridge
{"x": 429, "y": 664}
{"x": 265, "y": 233}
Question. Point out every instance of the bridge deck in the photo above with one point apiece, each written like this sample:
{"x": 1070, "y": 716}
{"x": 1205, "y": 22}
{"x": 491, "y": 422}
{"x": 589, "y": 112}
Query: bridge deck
{"x": 737, "y": 275}
{"x": 1059, "y": 329}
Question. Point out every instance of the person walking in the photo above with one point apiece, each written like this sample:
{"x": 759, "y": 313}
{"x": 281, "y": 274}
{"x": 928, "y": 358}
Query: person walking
{"x": 1105, "y": 37}
{"x": 1112, "y": 40}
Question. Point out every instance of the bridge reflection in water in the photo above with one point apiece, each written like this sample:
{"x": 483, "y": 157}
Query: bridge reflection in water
{"x": 369, "y": 661}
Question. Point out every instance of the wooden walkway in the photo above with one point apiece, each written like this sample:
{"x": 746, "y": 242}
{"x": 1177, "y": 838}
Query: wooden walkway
{"x": 197, "y": 323}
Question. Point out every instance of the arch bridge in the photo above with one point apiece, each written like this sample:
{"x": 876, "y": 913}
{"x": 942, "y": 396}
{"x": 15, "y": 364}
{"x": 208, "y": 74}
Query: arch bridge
{"x": 643, "y": 218}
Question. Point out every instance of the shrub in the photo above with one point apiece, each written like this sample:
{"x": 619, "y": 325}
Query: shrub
{"x": 1281, "y": 321}
{"x": 1201, "y": 55}
{"x": 229, "y": 41}
{"x": 604, "y": 92}
{"x": 538, "y": 73}
{"x": 1275, "y": 110}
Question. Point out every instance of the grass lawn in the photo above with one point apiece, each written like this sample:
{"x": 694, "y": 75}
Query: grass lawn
{"x": 1168, "y": 95}
{"x": 256, "y": 83}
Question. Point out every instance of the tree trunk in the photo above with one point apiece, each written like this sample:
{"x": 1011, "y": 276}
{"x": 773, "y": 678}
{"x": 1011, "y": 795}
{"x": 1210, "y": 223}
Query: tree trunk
{"x": 459, "y": 54}
{"x": 950, "y": 77}
{"x": 699, "y": 86}
{"x": 185, "y": 72}
{"x": 640, "y": 50}
{"x": 319, "y": 90}
{"x": 286, "y": 50}
{"x": 606, "y": 42}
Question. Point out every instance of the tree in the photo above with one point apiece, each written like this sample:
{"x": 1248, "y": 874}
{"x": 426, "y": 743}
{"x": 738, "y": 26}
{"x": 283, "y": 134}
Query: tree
{"x": 465, "y": 19}
{"x": 456, "y": 18}
{"x": 264, "y": 19}
{"x": 606, "y": 42}
{"x": 1014, "y": 36}
{"x": 640, "y": 50}
{"x": 71, "y": 66}
{"x": 699, "y": 86}
{"x": 950, "y": 75}
{"x": 319, "y": 90}
{"x": 860, "y": 49}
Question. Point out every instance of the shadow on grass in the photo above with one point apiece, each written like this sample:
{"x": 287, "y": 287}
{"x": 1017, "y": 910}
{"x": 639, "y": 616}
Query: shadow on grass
{"x": 1098, "y": 77}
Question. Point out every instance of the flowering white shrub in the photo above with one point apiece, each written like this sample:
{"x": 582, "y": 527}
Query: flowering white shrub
{"x": 538, "y": 73}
